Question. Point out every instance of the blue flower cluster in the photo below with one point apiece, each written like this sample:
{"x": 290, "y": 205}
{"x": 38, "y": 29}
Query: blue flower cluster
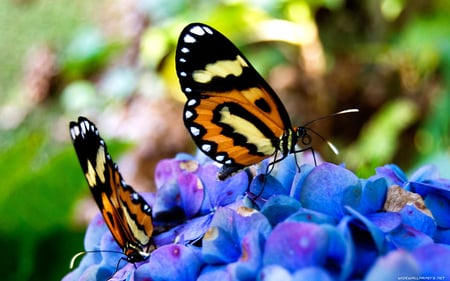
{"x": 322, "y": 223}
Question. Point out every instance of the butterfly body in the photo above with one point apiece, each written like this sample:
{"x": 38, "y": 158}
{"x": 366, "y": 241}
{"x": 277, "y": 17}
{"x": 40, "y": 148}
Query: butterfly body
{"x": 126, "y": 213}
{"x": 231, "y": 112}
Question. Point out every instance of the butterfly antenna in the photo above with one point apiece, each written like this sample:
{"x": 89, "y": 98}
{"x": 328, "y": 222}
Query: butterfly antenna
{"x": 75, "y": 257}
{"x": 329, "y": 143}
{"x": 352, "y": 110}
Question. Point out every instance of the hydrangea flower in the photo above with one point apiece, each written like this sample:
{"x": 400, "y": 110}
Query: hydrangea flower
{"x": 319, "y": 223}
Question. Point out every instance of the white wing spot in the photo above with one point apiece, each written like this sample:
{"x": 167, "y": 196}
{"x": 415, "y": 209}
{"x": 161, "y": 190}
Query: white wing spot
{"x": 74, "y": 132}
{"x": 220, "y": 158}
{"x": 184, "y": 50}
{"x": 195, "y": 131}
{"x": 187, "y": 90}
{"x": 192, "y": 102}
{"x": 183, "y": 74}
{"x": 229, "y": 162}
{"x": 182, "y": 60}
{"x": 197, "y": 30}
{"x": 206, "y": 147}
{"x": 189, "y": 39}
{"x": 188, "y": 114}
{"x": 83, "y": 128}
{"x": 207, "y": 29}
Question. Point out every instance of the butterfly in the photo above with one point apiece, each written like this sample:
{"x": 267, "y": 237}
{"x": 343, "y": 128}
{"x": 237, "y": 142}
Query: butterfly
{"x": 231, "y": 112}
{"x": 126, "y": 213}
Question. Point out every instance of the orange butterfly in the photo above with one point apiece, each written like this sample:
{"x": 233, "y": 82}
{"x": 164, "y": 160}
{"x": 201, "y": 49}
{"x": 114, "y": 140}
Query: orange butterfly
{"x": 127, "y": 215}
{"x": 231, "y": 112}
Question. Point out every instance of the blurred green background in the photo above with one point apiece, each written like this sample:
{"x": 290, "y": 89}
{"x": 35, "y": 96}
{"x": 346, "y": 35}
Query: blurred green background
{"x": 113, "y": 62}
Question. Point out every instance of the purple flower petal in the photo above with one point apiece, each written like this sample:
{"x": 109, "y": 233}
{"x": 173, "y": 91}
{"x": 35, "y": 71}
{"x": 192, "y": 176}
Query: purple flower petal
{"x": 434, "y": 260}
{"x": 393, "y": 266}
{"x": 295, "y": 245}
{"x": 191, "y": 193}
{"x": 167, "y": 206}
{"x": 188, "y": 232}
{"x": 221, "y": 193}
{"x": 393, "y": 174}
{"x": 328, "y": 188}
{"x": 386, "y": 222}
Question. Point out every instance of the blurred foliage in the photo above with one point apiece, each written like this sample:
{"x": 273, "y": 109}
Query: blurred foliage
{"x": 113, "y": 60}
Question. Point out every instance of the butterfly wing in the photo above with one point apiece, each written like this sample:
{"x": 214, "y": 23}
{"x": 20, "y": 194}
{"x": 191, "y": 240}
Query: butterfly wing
{"x": 231, "y": 112}
{"x": 128, "y": 216}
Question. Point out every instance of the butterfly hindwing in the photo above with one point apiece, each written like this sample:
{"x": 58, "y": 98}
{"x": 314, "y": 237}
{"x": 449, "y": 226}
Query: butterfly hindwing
{"x": 232, "y": 114}
{"x": 126, "y": 213}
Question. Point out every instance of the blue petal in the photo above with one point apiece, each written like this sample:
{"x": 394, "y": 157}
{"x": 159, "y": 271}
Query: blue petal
{"x": 171, "y": 262}
{"x": 285, "y": 171}
{"x": 340, "y": 253}
{"x": 417, "y": 219}
{"x": 312, "y": 274}
{"x": 393, "y": 266}
{"x": 274, "y": 273}
{"x": 222, "y": 242}
{"x": 279, "y": 207}
{"x": 250, "y": 262}
{"x": 295, "y": 245}
{"x": 94, "y": 233}
{"x": 407, "y": 237}
{"x": 440, "y": 208}
{"x": 363, "y": 223}
{"x": 214, "y": 272}
{"x": 442, "y": 235}
{"x": 306, "y": 215}
{"x": 299, "y": 180}
{"x": 264, "y": 186}
{"x": 373, "y": 195}
{"x": 112, "y": 255}
{"x": 328, "y": 188}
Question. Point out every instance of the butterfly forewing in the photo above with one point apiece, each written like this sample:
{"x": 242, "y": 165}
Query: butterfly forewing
{"x": 127, "y": 214}
{"x": 231, "y": 112}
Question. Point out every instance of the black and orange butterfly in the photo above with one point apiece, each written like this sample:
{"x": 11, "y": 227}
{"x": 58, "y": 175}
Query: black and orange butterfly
{"x": 126, "y": 213}
{"x": 231, "y": 112}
